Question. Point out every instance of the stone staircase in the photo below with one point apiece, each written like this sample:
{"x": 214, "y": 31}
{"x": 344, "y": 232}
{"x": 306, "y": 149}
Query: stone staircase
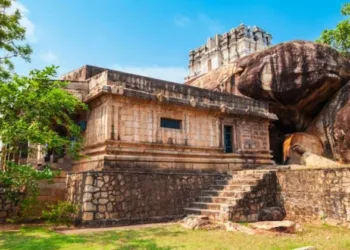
{"x": 238, "y": 198}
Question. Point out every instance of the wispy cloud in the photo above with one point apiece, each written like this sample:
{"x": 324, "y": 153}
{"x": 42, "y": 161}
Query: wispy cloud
{"x": 49, "y": 57}
{"x": 181, "y": 20}
{"x": 215, "y": 26}
{"x": 174, "y": 74}
{"x": 25, "y": 22}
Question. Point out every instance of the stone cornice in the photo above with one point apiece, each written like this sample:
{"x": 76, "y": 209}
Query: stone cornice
{"x": 235, "y": 107}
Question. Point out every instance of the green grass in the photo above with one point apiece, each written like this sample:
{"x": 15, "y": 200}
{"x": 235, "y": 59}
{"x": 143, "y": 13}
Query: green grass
{"x": 173, "y": 237}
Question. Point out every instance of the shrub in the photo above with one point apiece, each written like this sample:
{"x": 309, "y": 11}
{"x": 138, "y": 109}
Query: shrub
{"x": 21, "y": 182}
{"x": 62, "y": 213}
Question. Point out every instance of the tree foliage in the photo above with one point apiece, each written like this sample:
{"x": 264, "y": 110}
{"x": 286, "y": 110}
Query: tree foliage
{"x": 339, "y": 37}
{"x": 12, "y": 36}
{"x": 33, "y": 107}
{"x": 34, "y": 110}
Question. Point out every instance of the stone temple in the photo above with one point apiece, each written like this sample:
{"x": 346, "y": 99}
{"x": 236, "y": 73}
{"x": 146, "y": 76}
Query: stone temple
{"x": 157, "y": 150}
{"x": 226, "y": 48}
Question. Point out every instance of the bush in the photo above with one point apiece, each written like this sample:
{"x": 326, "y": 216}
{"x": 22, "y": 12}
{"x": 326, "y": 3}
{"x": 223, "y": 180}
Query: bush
{"x": 21, "y": 182}
{"x": 62, "y": 213}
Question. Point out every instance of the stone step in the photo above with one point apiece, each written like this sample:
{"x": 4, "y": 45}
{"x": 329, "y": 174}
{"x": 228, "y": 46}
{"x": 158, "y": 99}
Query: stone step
{"x": 235, "y": 194}
{"x": 216, "y": 199}
{"x": 230, "y": 187}
{"x": 242, "y": 181}
{"x": 252, "y": 175}
{"x": 253, "y": 171}
{"x": 206, "y": 205}
{"x": 212, "y": 214}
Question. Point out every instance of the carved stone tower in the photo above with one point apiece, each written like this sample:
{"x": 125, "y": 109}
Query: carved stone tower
{"x": 222, "y": 49}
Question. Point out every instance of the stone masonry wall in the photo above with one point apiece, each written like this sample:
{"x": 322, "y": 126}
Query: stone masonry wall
{"x": 48, "y": 194}
{"x": 261, "y": 196}
{"x": 315, "y": 194}
{"x": 109, "y": 198}
{"x": 138, "y": 121}
{"x": 7, "y": 207}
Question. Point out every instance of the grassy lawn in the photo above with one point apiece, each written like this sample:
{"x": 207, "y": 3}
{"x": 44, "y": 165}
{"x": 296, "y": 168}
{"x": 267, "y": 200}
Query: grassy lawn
{"x": 173, "y": 237}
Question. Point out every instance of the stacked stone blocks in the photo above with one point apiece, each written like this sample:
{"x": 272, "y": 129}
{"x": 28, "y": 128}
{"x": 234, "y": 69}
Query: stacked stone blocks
{"x": 121, "y": 197}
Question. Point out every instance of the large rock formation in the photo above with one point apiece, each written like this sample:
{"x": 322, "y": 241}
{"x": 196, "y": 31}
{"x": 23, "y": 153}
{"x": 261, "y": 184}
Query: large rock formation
{"x": 298, "y": 77}
{"x": 332, "y": 126}
{"x": 295, "y": 145}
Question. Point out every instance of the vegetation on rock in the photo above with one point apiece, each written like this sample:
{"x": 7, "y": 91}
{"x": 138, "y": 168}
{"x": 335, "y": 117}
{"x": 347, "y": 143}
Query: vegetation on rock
{"x": 339, "y": 37}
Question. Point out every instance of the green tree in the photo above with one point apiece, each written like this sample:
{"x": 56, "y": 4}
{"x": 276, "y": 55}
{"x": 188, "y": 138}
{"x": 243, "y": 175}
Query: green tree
{"x": 339, "y": 37}
{"x": 34, "y": 110}
{"x": 37, "y": 109}
{"x": 12, "y": 36}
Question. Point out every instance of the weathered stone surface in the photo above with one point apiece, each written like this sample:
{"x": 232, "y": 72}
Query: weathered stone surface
{"x": 271, "y": 214}
{"x": 89, "y": 207}
{"x": 252, "y": 191}
{"x": 88, "y": 216}
{"x": 278, "y": 226}
{"x": 225, "y": 48}
{"x": 195, "y": 222}
{"x": 299, "y": 76}
{"x": 297, "y": 144}
{"x": 316, "y": 194}
{"x": 236, "y": 227}
{"x": 332, "y": 126}
{"x": 315, "y": 161}
{"x": 135, "y": 195}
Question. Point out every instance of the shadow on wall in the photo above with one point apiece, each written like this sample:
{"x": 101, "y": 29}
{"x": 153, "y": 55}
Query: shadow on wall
{"x": 266, "y": 194}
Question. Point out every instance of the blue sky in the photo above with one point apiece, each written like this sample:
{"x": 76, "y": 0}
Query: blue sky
{"x": 153, "y": 37}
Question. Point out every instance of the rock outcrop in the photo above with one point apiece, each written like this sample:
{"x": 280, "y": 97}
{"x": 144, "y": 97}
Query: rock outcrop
{"x": 296, "y": 144}
{"x": 332, "y": 126}
{"x": 311, "y": 160}
{"x": 298, "y": 77}
{"x": 284, "y": 226}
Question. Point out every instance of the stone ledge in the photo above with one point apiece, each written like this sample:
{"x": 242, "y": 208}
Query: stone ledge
{"x": 147, "y": 172}
{"x": 285, "y": 168}
{"x": 247, "y": 108}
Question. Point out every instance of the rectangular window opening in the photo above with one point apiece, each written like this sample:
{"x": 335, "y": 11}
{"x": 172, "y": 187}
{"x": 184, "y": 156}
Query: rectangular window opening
{"x": 228, "y": 139}
{"x": 170, "y": 123}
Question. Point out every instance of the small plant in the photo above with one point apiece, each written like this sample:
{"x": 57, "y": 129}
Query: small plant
{"x": 62, "y": 213}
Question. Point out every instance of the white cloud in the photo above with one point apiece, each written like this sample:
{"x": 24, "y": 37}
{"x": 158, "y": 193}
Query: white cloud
{"x": 25, "y": 22}
{"x": 49, "y": 57}
{"x": 174, "y": 74}
{"x": 181, "y": 20}
{"x": 215, "y": 26}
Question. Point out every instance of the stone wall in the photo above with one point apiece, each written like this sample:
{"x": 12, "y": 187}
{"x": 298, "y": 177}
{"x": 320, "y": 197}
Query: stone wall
{"x": 53, "y": 192}
{"x": 138, "y": 121}
{"x": 8, "y": 208}
{"x": 109, "y": 198}
{"x": 314, "y": 194}
{"x": 127, "y": 132}
{"x": 263, "y": 195}
{"x": 48, "y": 194}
